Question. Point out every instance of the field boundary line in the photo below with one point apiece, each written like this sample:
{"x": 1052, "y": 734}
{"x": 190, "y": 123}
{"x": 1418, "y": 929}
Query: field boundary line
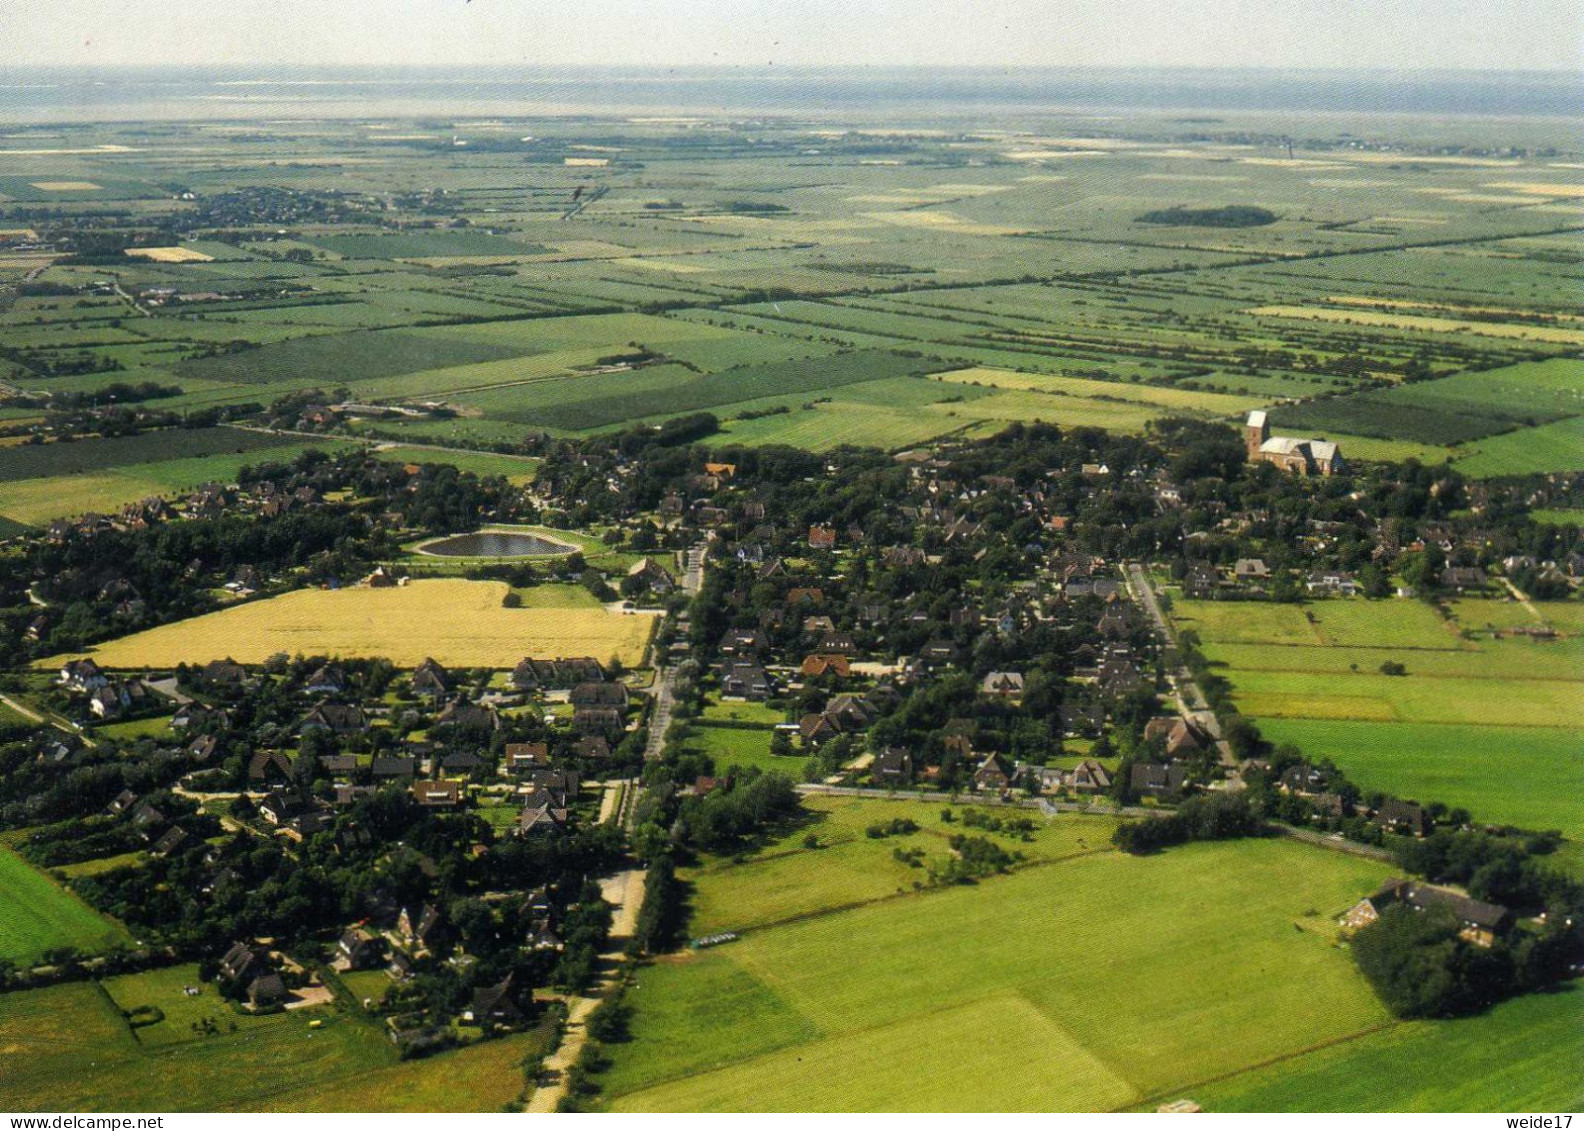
{"x": 927, "y": 889}
{"x": 1320, "y": 1046}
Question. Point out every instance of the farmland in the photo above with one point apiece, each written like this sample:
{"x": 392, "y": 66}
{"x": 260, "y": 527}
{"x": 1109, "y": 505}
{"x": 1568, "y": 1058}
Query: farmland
{"x": 38, "y": 915}
{"x": 1002, "y": 972}
{"x": 696, "y": 280}
{"x": 1518, "y": 1057}
{"x": 1490, "y": 724}
{"x": 461, "y": 623}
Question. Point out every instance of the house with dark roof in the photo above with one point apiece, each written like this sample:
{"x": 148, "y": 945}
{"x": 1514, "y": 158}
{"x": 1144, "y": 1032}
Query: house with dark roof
{"x": 437, "y": 794}
{"x": 893, "y": 765}
{"x": 600, "y": 694}
{"x": 1157, "y": 779}
{"x": 338, "y": 718}
{"x": 1479, "y": 923}
{"x": 746, "y": 681}
{"x": 431, "y": 680}
{"x": 391, "y": 767}
{"x": 1402, "y": 817}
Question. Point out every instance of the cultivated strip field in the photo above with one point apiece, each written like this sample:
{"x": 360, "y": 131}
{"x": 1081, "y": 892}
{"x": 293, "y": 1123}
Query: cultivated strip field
{"x": 1493, "y": 724}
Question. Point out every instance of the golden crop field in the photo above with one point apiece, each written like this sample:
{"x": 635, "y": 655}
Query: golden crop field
{"x": 65, "y": 186}
{"x": 1430, "y": 325}
{"x": 170, "y": 254}
{"x": 459, "y": 623}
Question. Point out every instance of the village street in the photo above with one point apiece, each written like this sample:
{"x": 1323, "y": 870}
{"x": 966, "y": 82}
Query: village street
{"x": 1190, "y": 699}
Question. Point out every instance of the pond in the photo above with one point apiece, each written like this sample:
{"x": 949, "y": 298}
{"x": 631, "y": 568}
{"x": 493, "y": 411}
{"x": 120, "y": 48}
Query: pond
{"x": 496, "y": 544}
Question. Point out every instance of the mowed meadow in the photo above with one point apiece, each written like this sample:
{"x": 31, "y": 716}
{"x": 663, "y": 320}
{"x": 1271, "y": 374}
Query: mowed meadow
{"x": 1085, "y": 979}
{"x": 38, "y": 915}
{"x": 458, "y": 623}
{"x": 1491, "y": 723}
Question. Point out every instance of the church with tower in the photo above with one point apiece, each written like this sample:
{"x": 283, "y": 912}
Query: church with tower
{"x": 1306, "y": 457}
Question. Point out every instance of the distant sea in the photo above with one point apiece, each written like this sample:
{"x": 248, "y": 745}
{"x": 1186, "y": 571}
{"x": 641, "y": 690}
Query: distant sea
{"x": 44, "y": 94}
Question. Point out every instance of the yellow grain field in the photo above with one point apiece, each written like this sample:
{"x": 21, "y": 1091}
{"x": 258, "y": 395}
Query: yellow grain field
{"x": 170, "y": 254}
{"x": 65, "y": 186}
{"x": 459, "y": 623}
{"x": 1426, "y": 324}
{"x": 1404, "y": 304}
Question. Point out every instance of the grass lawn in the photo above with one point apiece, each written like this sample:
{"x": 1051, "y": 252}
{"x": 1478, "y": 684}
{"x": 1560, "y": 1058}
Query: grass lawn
{"x": 1096, "y": 983}
{"x": 744, "y": 712}
{"x": 100, "y": 866}
{"x": 1251, "y": 622}
{"x": 136, "y": 728}
{"x": 51, "y": 1038}
{"x": 163, "y": 989}
{"x": 1558, "y": 517}
{"x": 37, "y": 914}
{"x": 480, "y": 1078}
{"x": 1522, "y": 1056}
{"x": 1550, "y": 447}
{"x": 459, "y": 623}
{"x": 1491, "y": 725}
{"x": 1381, "y": 624}
{"x": 366, "y": 984}
{"x": 557, "y": 597}
{"x": 737, "y": 746}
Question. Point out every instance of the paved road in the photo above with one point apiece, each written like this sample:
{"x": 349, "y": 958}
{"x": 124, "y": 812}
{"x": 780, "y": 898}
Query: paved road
{"x": 51, "y": 720}
{"x": 1190, "y": 698}
{"x": 1043, "y": 804}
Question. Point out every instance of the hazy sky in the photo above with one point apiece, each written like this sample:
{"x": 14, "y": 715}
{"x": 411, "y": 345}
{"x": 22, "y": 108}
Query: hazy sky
{"x": 1407, "y": 34}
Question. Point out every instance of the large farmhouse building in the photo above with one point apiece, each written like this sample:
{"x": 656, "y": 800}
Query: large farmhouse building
{"x": 1307, "y": 457}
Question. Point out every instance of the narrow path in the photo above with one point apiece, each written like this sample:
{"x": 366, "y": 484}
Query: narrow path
{"x": 1190, "y": 699}
{"x": 1523, "y": 599}
{"x": 625, "y": 890}
{"x": 47, "y": 720}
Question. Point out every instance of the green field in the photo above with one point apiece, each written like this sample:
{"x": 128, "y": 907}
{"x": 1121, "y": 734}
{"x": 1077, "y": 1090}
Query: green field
{"x": 32, "y": 461}
{"x": 38, "y": 501}
{"x": 1522, "y": 1056}
{"x": 1488, "y": 724}
{"x": 37, "y": 915}
{"x": 1550, "y": 447}
{"x": 1529, "y": 776}
{"x": 787, "y": 881}
{"x": 1099, "y": 982}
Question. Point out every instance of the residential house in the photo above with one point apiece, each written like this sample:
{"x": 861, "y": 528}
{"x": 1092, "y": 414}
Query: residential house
{"x": 1479, "y": 923}
{"x": 1089, "y": 776}
{"x": 338, "y": 718}
{"x": 1004, "y": 685}
{"x": 746, "y": 681}
{"x": 993, "y": 775}
{"x": 1402, "y": 817}
{"x": 437, "y": 794}
{"x": 1157, "y": 779}
{"x": 893, "y": 766}
{"x": 431, "y": 680}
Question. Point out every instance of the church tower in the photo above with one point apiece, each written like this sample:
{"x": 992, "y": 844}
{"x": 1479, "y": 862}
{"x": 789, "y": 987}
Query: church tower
{"x": 1256, "y": 432}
